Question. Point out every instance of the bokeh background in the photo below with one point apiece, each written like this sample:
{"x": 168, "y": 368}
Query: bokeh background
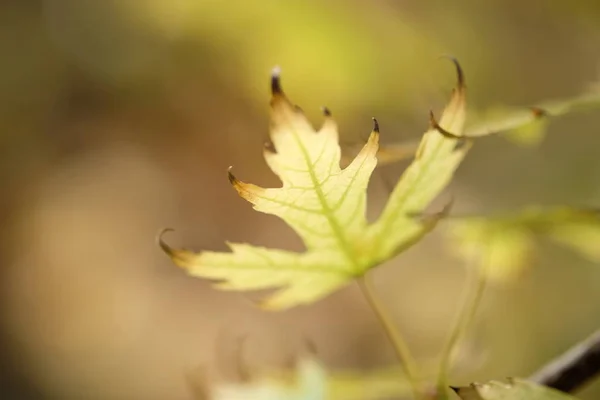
{"x": 119, "y": 118}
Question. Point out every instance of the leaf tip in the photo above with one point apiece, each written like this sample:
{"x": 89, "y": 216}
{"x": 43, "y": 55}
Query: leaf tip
{"x": 180, "y": 257}
{"x": 232, "y": 179}
{"x": 460, "y": 75}
{"x": 269, "y": 147}
{"x": 375, "y": 125}
{"x": 434, "y": 124}
{"x": 538, "y": 112}
{"x": 246, "y": 191}
{"x": 161, "y": 243}
{"x": 276, "y": 80}
{"x": 326, "y": 112}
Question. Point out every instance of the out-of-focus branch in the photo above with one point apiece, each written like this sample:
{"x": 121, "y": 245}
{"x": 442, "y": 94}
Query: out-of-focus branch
{"x": 572, "y": 369}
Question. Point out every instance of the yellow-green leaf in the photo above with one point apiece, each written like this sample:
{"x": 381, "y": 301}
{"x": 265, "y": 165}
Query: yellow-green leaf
{"x": 514, "y": 389}
{"x": 530, "y": 134}
{"x": 311, "y": 378}
{"x": 523, "y": 126}
{"x": 308, "y": 383}
{"x": 326, "y": 206}
{"x": 436, "y": 160}
{"x": 505, "y": 242}
{"x": 503, "y": 249}
{"x": 505, "y": 121}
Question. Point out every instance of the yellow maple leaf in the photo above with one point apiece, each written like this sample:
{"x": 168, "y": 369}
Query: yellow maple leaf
{"x": 326, "y": 205}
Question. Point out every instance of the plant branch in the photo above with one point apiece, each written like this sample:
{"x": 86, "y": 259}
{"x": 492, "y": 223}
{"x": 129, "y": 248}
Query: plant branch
{"x": 466, "y": 314}
{"x": 572, "y": 369}
{"x": 400, "y": 347}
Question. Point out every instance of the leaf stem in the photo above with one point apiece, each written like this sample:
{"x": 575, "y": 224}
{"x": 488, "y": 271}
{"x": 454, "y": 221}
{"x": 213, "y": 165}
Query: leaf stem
{"x": 400, "y": 347}
{"x": 466, "y": 314}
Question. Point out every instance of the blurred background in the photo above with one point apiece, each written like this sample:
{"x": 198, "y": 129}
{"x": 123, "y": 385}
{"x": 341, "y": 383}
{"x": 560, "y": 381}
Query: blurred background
{"x": 119, "y": 118}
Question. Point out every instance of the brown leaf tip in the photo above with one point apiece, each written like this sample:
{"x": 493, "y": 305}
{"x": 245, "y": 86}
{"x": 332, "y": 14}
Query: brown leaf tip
{"x": 432, "y": 120}
{"x": 375, "y": 125}
{"x": 326, "y": 112}
{"x": 232, "y": 179}
{"x": 163, "y": 245}
{"x": 460, "y": 75}
{"x": 538, "y": 112}
{"x": 180, "y": 257}
{"x": 435, "y": 125}
{"x": 269, "y": 146}
{"x": 276, "y": 81}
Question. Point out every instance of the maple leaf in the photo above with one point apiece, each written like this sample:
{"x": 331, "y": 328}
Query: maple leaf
{"x": 507, "y": 241}
{"x": 309, "y": 382}
{"x": 326, "y": 206}
{"x": 522, "y": 126}
{"x": 308, "y": 379}
{"x": 515, "y": 389}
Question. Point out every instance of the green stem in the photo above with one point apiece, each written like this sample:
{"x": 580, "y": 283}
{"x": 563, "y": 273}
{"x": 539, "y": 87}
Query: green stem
{"x": 400, "y": 347}
{"x": 468, "y": 310}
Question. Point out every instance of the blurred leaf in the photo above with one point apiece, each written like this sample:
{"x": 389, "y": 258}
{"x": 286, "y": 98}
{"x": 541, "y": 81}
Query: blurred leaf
{"x": 515, "y": 389}
{"x": 506, "y": 242}
{"x": 310, "y": 380}
{"x": 530, "y": 134}
{"x": 525, "y": 127}
{"x": 309, "y": 383}
{"x": 326, "y": 205}
{"x": 372, "y": 385}
{"x": 381, "y": 383}
{"x": 505, "y": 249}
{"x": 582, "y": 236}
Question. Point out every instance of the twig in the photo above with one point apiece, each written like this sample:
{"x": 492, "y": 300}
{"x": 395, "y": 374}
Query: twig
{"x": 466, "y": 314}
{"x": 572, "y": 369}
{"x": 400, "y": 347}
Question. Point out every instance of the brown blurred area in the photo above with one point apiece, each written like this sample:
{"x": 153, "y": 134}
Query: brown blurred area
{"x": 119, "y": 118}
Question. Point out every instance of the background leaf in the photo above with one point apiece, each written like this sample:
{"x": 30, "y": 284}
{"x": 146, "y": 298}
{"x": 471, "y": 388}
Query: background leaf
{"x": 522, "y": 126}
{"x": 308, "y": 383}
{"x": 515, "y": 389}
{"x": 506, "y": 242}
{"x": 310, "y": 378}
